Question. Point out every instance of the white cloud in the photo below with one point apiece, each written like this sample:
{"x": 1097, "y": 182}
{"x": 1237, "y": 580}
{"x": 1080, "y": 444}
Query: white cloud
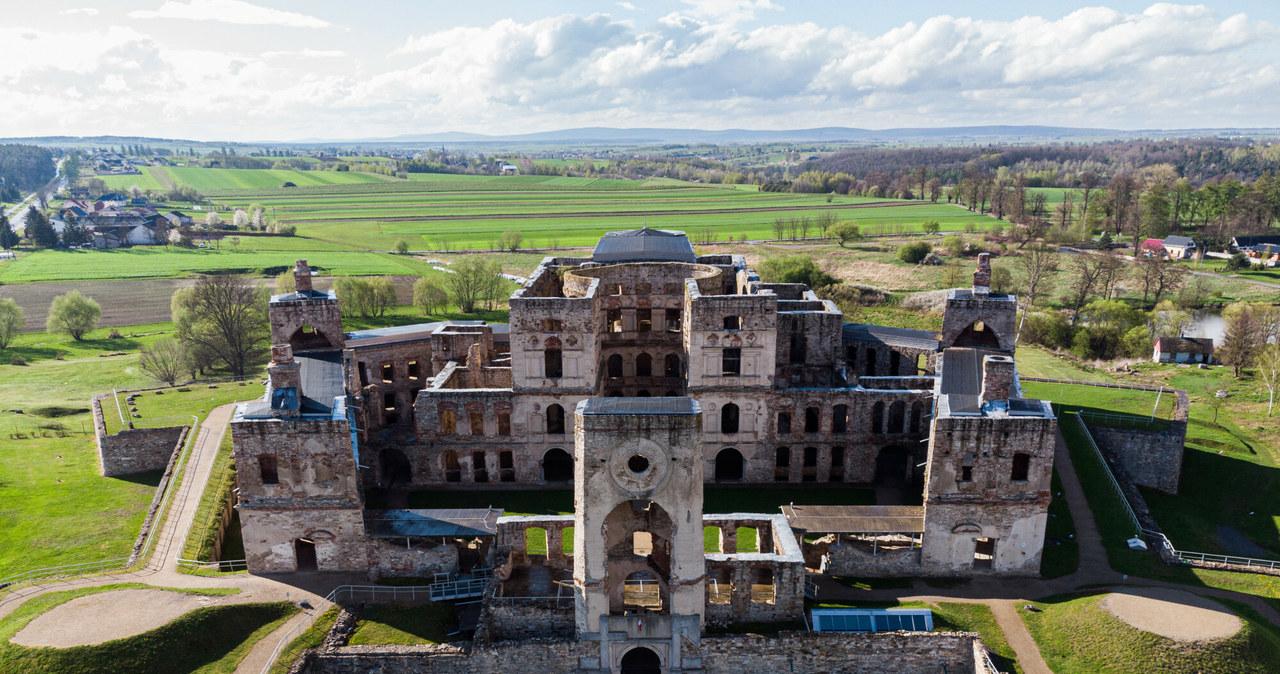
{"x": 87, "y": 11}
{"x": 229, "y": 11}
{"x": 627, "y": 6}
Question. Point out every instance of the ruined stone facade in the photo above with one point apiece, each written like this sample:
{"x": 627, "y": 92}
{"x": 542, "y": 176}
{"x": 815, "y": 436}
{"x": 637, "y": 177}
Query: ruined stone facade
{"x": 636, "y": 376}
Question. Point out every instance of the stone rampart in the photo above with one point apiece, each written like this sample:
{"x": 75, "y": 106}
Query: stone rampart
{"x": 883, "y": 653}
{"x": 132, "y": 450}
{"x": 1152, "y": 458}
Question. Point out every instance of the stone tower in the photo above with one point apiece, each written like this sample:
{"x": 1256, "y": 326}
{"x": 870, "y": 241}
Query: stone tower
{"x": 978, "y": 318}
{"x": 639, "y": 568}
{"x": 306, "y": 319}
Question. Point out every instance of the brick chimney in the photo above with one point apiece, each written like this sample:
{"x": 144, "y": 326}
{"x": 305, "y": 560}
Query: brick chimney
{"x": 997, "y": 379}
{"x": 982, "y": 277}
{"x": 302, "y": 276}
{"x": 284, "y": 374}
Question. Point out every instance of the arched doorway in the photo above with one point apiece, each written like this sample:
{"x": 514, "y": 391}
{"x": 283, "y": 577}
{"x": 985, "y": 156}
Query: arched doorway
{"x": 557, "y": 466}
{"x": 729, "y": 465}
{"x": 395, "y": 467}
{"x": 978, "y": 335}
{"x": 641, "y": 660}
{"x": 304, "y": 551}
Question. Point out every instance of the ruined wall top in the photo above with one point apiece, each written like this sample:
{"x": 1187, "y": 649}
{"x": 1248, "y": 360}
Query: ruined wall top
{"x": 982, "y": 277}
{"x": 302, "y": 276}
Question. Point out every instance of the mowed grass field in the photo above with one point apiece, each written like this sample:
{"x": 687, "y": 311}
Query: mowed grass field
{"x": 206, "y": 179}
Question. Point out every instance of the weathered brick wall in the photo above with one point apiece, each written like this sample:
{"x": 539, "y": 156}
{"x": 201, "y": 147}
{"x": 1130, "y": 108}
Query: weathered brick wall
{"x": 1152, "y": 458}
{"x": 391, "y": 558}
{"x": 889, "y": 653}
{"x": 535, "y": 619}
{"x": 132, "y": 450}
{"x": 848, "y": 559}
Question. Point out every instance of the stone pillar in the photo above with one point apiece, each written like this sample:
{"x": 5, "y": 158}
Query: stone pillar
{"x": 728, "y": 539}
{"x": 982, "y": 277}
{"x": 284, "y": 373}
{"x": 997, "y": 379}
{"x": 302, "y": 276}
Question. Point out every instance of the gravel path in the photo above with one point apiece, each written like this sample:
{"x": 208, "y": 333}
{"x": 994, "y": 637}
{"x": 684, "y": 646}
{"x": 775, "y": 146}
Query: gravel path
{"x": 1172, "y": 613}
{"x": 94, "y": 619}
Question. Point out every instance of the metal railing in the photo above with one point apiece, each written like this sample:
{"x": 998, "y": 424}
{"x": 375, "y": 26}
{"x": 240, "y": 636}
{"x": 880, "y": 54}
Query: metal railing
{"x": 222, "y": 566}
{"x": 988, "y": 662}
{"x": 1111, "y": 479}
{"x": 1120, "y": 420}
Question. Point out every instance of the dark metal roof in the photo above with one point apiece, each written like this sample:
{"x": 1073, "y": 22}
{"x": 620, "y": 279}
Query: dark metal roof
{"x": 305, "y": 295}
{"x": 1184, "y": 345}
{"x": 856, "y": 519}
{"x": 1182, "y": 241}
{"x": 1026, "y": 407}
{"x": 652, "y": 406}
{"x": 321, "y": 380}
{"x": 460, "y": 522}
{"x": 880, "y": 334}
{"x": 644, "y": 245}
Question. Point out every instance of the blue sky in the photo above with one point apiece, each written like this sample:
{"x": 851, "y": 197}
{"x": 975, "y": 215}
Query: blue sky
{"x": 281, "y": 70}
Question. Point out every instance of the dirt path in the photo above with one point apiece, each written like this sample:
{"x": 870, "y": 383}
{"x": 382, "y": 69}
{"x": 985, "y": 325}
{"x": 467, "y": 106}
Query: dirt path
{"x": 1174, "y": 614}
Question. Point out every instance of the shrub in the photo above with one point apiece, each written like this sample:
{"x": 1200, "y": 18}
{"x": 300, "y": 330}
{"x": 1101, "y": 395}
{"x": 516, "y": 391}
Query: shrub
{"x": 429, "y": 298}
{"x": 402, "y": 247}
{"x": 913, "y": 253}
{"x": 73, "y": 314}
{"x": 1238, "y": 261}
{"x": 11, "y": 321}
{"x": 953, "y": 244}
{"x": 795, "y": 269}
{"x": 1049, "y": 329}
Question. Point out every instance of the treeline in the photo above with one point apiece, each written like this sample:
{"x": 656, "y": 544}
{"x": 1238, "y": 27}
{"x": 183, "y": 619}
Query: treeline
{"x": 26, "y": 167}
{"x": 1197, "y": 160}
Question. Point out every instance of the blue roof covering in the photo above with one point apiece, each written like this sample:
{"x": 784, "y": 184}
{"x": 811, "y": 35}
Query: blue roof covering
{"x": 655, "y": 406}
{"x": 459, "y": 522}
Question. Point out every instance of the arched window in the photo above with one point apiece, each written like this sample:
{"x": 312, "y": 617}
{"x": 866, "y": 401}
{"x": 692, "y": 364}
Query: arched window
{"x": 553, "y": 363}
{"x": 671, "y": 368}
{"x": 557, "y": 466}
{"x": 615, "y": 366}
{"x": 812, "y": 419}
{"x": 555, "y": 419}
{"x": 897, "y": 417}
{"x": 782, "y": 464}
{"x": 895, "y": 363}
{"x": 877, "y": 418}
{"x": 869, "y": 367}
{"x": 916, "y": 411}
{"x": 729, "y": 418}
{"x": 644, "y": 365}
{"x": 798, "y": 346}
{"x": 840, "y": 419}
{"x": 729, "y": 465}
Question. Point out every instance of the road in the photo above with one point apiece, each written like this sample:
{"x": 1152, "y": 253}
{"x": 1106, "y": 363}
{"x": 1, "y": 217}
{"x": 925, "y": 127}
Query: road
{"x": 18, "y": 213}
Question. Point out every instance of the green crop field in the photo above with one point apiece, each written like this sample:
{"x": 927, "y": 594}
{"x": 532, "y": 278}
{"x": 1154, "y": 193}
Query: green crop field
{"x": 206, "y": 179}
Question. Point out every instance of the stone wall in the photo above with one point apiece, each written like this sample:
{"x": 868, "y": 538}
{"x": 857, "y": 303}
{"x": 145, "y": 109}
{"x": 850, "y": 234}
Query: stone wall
{"x": 885, "y": 653}
{"x": 1152, "y": 458}
{"x": 132, "y": 450}
{"x": 507, "y": 620}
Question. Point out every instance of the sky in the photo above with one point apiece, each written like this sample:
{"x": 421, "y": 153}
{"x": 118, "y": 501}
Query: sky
{"x": 254, "y": 70}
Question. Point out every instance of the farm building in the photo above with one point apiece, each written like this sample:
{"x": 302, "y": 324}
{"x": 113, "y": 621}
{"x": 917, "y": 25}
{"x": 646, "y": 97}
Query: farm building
{"x": 1183, "y": 350}
{"x": 1152, "y": 247}
{"x": 1180, "y": 247}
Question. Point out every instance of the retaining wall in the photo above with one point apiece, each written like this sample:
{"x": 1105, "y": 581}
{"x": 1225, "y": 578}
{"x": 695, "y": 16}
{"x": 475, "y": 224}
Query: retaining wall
{"x": 132, "y": 450}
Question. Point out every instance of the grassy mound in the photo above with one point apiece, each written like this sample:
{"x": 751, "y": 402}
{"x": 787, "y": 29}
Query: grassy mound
{"x": 210, "y": 639}
{"x": 1075, "y": 634}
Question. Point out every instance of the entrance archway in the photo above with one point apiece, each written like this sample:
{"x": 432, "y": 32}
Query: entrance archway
{"x": 641, "y": 660}
{"x": 395, "y": 467}
{"x": 729, "y": 465}
{"x": 557, "y": 466}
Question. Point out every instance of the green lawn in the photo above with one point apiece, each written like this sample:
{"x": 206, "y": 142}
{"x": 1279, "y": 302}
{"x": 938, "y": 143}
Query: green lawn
{"x": 389, "y": 625}
{"x": 174, "y": 406}
{"x": 1035, "y": 361}
{"x": 311, "y": 638}
{"x": 978, "y": 618}
{"x": 210, "y": 640}
{"x": 1076, "y": 635}
{"x": 1062, "y": 554}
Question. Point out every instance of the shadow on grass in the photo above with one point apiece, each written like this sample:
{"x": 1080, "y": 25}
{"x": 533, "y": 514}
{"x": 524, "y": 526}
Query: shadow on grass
{"x": 150, "y": 478}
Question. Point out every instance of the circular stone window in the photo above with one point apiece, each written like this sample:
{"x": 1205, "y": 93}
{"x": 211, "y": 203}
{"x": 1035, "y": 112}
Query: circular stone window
{"x": 638, "y": 464}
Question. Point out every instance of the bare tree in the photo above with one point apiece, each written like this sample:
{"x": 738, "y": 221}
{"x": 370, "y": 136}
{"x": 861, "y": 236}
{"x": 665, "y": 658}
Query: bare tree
{"x": 1082, "y": 281}
{"x": 165, "y": 360}
{"x": 1088, "y": 181}
{"x": 825, "y": 220}
{"x": 1269, "y": 372}
{"x": 1035, "y": 263}
{"x": 1109, "y": 276}
{"x": 779, "y": 228}
{"x": 1159, "y": 276}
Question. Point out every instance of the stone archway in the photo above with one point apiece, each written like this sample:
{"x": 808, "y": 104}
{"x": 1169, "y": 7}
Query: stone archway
{"x": 640, "y": 660}
{"x": 729, "y": 465}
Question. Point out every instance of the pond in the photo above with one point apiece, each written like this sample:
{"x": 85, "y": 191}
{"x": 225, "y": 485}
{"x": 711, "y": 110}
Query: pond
{"x": 1207, "y": 324}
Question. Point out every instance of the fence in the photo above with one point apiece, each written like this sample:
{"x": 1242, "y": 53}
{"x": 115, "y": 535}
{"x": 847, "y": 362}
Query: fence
{"x": 1166, "y": 547}
{"x": 1120, "y": 420}
{"x": 220, "y": 566}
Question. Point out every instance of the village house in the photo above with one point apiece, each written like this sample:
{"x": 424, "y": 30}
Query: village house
{"x": 1183, "y": 350}
{"x": 1180, "y": 247}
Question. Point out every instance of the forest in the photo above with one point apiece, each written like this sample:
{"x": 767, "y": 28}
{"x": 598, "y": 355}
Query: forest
{"x": 26, "y": 167}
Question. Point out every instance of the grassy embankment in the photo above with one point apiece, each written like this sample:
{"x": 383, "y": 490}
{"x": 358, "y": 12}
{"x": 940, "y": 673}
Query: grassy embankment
{"x": 212, "y": 639}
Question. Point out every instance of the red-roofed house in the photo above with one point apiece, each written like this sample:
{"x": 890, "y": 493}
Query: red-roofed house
{"x": 1152, "y": 247}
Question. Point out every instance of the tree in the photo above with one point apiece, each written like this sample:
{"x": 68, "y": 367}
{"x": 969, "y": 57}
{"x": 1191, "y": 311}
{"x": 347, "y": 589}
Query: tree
{"x": 913, "y": 253}
{"x": 1268, "y": 363}
{"x": 8, "y": 238}
{"x": 165, "y": 360}
{"x": 39, "y": 230}
{"x": 1159, "y": 276}
{"x": 510, "y": 240}
{"x": 846, "y": 232}
{"x": 402, "y": 247}
{"x": 1082, "y": 281}
{"x": 366, "y": 297}
{"x": 1242, "y": 339}
{"x": 240, "y": 219}
{"x": 931, "y": 226}
{"x": 954, "y": 245}
{"x": 224, "y": 318}
{"x": 1036, "y": 263}
{"x": 953, "y": 275}
{"x": 471, "y": 281}
{"x": 74, "y": 233}
{"x": 212, "y": 219}
{"x": 779, "y": 228}
{"x": 1168, "y": 321}
{"x": 1001, "y": 279}
{"x": 429, "y": 297}
{"x": 11, "y": 321}
{"x": 286, "y": 283}
{"x": 73, "y": 314}
{"x": 795, "y": 269}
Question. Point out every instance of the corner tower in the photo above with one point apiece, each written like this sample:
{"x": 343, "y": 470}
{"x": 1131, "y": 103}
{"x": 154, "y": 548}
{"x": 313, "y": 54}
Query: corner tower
{"x": 978, "y": 318}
